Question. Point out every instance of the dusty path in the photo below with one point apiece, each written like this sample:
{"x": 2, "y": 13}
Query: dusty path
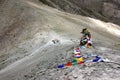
{"x": 46, "y": 52}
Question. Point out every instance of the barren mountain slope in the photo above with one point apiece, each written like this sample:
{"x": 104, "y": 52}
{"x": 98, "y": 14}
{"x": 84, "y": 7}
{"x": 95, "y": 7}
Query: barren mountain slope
{"x": 27, "y": 29}
{"x": 106, "y": 10}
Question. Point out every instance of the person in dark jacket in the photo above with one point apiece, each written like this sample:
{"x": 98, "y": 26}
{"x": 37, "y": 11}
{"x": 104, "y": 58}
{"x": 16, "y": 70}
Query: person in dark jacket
{"x": 86, "y": 38}
{"x": 86, "y": 33}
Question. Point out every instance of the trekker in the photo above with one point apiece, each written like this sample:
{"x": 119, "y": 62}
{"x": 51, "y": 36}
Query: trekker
{"x": 86, "y": 38}
{"x": 86, "y": 33}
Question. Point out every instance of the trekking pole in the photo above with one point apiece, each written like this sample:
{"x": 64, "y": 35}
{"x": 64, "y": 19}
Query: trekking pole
{"x": 66, "y": 57}
{"x": 93, "y": 46}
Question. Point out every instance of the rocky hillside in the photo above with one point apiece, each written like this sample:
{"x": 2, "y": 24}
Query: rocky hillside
{"x": 27, "y": 29}
{"x": 106, "y": 10}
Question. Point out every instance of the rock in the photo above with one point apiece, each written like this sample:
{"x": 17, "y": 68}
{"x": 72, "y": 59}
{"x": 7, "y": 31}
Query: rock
{"x": 107, "y": 10}
{"x": 111, "y": 10}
